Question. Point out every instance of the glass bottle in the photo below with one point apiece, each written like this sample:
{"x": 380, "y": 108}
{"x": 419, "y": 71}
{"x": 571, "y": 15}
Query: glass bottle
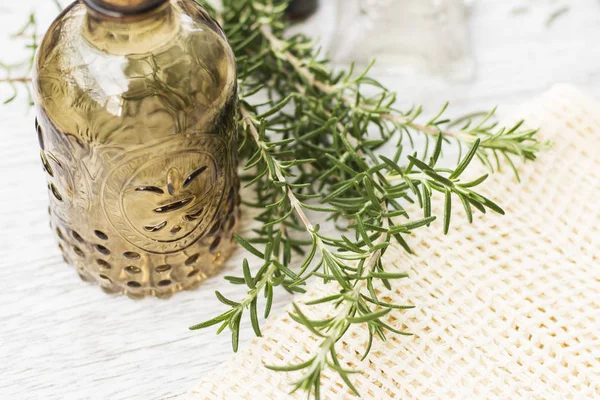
{"x": 136, "y": 119}
{"x": 410, "y": 36}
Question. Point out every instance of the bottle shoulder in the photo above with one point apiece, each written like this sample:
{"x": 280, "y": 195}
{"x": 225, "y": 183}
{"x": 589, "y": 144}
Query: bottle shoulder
{"x": 180, "y": 85}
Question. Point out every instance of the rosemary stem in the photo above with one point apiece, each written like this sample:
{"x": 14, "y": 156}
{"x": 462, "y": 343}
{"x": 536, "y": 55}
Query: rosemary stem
{"x": 277, "y": 46}
{"x": 413, "y": 176}
{"x": 340, "y": 322}
{"x": 22, "y": 79}
{"x": 279, "y": 175}
{"x": 295, "y": 203}
{"x": 317, "y": 137}
{"x": 252, "y": 294}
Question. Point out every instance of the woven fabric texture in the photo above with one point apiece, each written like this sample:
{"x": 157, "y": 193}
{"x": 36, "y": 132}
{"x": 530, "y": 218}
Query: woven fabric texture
{"x": 506, "y": 308}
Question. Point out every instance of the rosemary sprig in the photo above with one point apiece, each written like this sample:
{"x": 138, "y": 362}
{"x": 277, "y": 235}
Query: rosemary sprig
{"x": 494, "y": 140}
{"x": 314, "y": 145}
{"x": 24, "y": 67}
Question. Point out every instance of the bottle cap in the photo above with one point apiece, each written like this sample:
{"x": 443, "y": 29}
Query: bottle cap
{"x": 118, "y": 8}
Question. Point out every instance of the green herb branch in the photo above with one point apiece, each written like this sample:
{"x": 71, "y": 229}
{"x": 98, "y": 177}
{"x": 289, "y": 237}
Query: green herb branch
{"x": 23, "y": 68}
{"x": 493, "y": 140}
{"x": 315, "y": 145}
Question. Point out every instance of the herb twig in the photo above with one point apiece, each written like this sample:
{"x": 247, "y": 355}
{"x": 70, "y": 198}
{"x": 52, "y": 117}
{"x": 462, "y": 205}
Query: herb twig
{"x": 493, "y": 141}
{"x": 23, "y": 68}
{"x": 315, "y": 145}
{"x": 22, "y": 79}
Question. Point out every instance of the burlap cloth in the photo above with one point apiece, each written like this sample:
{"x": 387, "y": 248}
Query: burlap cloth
{"x": 506, "y": 308}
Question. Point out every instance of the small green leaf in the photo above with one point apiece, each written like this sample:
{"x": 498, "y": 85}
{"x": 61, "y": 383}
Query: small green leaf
{"x": 475, "y": 182}
{"x": 247, "y": 275}
{"x": 416, "y": 224}
{"x": 437, "y": 151}
{"x": 276, "y": 108}
{"x": 290, "y": 368}
{"x": 235, "y": 280}
{"x": 493, "y": 206}
{"x": 254, "y": 317}
{"x": 464, "y": 163}
{"x": 369, "y": 317}
{"x": 361, "y": 230}
{"x": 447, "y": 211}
{"x": 302, "y": 319}
{"x": 269, "y": 297}
{"x": 225, "y": 300}
{"x": 213, "y": 321}
{"x": 467, "y": 207}
{"x": 244, "y": 243}
{"x": 322, "y": 300}
{"x": 388, "y": 275}
{"x": 235, "y": 331}
{"x": 392, "y": 166}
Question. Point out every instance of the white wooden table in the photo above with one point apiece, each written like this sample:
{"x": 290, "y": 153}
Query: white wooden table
{"x": 61, "y": 338}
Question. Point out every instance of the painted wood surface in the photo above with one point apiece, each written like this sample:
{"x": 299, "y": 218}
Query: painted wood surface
{"x": 61, "y": 338}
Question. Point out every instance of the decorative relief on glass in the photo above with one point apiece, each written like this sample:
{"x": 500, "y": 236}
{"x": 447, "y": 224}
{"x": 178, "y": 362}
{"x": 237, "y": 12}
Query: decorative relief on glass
{"x": 137, "y": 131}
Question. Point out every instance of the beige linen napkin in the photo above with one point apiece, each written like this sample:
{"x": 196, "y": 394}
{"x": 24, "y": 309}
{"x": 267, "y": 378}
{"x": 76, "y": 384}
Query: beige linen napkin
{"x": 506, "y": 308}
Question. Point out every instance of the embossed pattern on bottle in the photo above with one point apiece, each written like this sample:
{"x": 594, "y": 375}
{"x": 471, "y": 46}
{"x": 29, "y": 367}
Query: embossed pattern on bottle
{"x": 137, "y": 130}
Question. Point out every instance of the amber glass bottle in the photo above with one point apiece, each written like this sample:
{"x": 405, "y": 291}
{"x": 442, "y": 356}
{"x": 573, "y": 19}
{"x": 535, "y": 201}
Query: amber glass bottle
{"x": 136, "y": 103}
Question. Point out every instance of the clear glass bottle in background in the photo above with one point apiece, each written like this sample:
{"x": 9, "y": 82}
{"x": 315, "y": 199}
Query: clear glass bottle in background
{"x": 136, "y": 104}
{"x": 416, "y": 35}
{"x": 404, "y": 36}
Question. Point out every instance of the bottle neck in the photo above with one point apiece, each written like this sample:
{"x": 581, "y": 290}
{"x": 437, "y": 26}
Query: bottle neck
{"x": 123, "y": 31}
